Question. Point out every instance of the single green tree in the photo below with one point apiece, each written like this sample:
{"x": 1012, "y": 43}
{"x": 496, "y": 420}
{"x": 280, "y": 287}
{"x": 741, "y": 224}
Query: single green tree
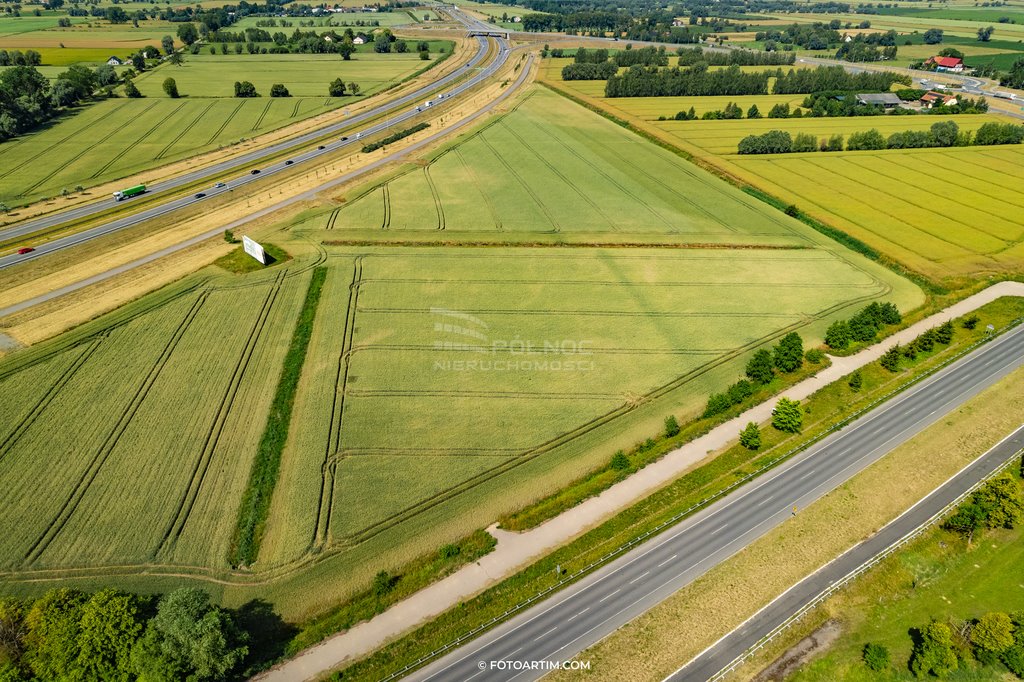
{"x": 933, "y": 653}
{"x": 787, "y": 415}
{"x": 759, "y": 367}
{"x": 52, "y": 637}
{"x": 837, "y": 336}
{"x": 171, "y": 88}
{"x": 131, "y": 91}
{"x": 993, "y": 633}
{"x": 109, "y": 627}
{"x": 620, "y": 462}
{"x": 279, "y": 90}
{"x": 856, "y": 381}
{"x": 789, "y": 353}
{"x": 671, "y": 426}
{"x": 876, "y": 657}
{"x": 336, "y": 88}
{"x": 188, "y": 639}
{"x": 750, "y": 436}
{"x": 890, "y": 360}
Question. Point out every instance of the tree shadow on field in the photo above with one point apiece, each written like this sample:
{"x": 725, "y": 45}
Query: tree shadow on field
{"x": 268, "y": 633}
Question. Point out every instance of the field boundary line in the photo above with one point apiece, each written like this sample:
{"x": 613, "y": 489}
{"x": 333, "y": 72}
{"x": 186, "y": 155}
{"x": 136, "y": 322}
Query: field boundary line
{"x": 259, "y": 121}
{"x": 224, "y": 124}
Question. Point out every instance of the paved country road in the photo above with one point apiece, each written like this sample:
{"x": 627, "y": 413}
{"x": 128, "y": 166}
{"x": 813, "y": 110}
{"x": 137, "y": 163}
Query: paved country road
{"x": 404, "y": 108}
{"x": 583, "y": 614}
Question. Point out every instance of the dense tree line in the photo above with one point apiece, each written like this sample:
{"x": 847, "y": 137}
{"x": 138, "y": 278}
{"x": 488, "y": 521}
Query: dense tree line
{"x": 110, "y": 635}
{"x": 698, "y": 80}
{"x": 861, "y": 49}
{"x": 1015, "y": 77}
{"x": 925, "y": 343}
{"x": 941, "y": 134}
{"x": 589, "y": 71}
{"x": 839, "y": 103}
{"x": 645, "y": 56}
{"x": 19, "y": 58}
{"x": 821, "y": 79}
{"x": 688, "y": 56}
{"x": 28, "y": 99}
{"x": 816, "y": 36}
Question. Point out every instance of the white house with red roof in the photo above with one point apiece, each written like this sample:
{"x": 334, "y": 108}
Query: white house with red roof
{"x": 954, "y": 64}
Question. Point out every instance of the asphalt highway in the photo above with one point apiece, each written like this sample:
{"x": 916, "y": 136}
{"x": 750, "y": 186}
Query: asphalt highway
{"x": 405, "y": 108}
{"x": 581, "y": 615}
{"x": 729, "y": 649}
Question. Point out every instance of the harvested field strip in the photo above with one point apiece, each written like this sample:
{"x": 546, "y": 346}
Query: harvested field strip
{"x": 184, "y": 509}
{"x": 110, "y": 441}
{"x": 184, "y": 131}
{"x": 255, "y": 503}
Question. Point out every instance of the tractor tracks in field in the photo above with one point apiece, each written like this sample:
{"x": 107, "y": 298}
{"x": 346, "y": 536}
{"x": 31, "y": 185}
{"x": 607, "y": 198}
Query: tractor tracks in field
{"x": 85, "y": 481}
{"x": 202, "y": 464}
{"x": 330, "y": 462}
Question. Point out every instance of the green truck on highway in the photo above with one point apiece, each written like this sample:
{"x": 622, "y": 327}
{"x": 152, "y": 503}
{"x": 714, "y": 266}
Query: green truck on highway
{"x": 130, "y": 192}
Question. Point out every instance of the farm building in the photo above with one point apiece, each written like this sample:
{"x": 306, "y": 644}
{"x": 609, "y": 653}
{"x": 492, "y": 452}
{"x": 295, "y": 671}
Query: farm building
{"x": 954, "y": 64}
{"x": 358, "y": 40}
{"x": 933, "y": 99}
{"x": 114, "y": 61}
{"x": 887, "y": 100}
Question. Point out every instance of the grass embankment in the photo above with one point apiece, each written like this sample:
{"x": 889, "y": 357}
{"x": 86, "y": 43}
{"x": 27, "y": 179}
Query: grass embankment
{"x": 823, "y": 409}
{"x": 651, "y": 450}
{"x": 252, "y": 512}
{"x": 404, "y": 582}
{"x": 239, "y": 262}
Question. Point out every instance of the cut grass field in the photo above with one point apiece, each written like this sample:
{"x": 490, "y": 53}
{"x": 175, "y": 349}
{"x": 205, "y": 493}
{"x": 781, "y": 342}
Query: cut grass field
{"x": 117, "y": 137}
{"x": 947, "y": 213}
{"x": 419, "y": 416}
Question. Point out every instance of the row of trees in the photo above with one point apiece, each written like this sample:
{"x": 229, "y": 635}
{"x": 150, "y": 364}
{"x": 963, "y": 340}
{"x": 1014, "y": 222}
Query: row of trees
{"x": 28, "y": 99}
{"x": 863, "y": 327}
{"x": 941, "y": 134}
{"x": 786, "y": 356}
{"x": 925, "y": 343}
{"x": 688, "y": 56}
{"x": 861, "y": 50}
{"x": 816, "y": 36}
{"x": 698, "y": 80}
{"x": 827, "y": 78}
{"x": 111, "y": 635}
{"x": 19, "y": 58}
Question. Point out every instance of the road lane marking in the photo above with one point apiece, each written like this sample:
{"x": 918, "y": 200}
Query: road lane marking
{"x": 667, "y": 560}
{"x": 580, "y": 613}
{"x": 765, "y": 500}
{"x": 720, "y": 528}
{"x": 638, "y": 577}
{"x": 806, "y": 475}
{"x": 610, "y": 595}
{"x": 546, "y": 634}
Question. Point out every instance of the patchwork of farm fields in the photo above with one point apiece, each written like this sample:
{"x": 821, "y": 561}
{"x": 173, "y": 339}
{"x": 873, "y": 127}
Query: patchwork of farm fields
{"x": 117, "y": 137}
{"x": 554, "y": 167}
{"x": 946, "y": 213}
{"x": 443, "y": 384}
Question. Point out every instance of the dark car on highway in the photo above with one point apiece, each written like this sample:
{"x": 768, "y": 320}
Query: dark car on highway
{"x": 288, "y": 162}
{"x": 321, "y": 147}
{"x": 254, "y": 171}
{"x": 200, "y": 195}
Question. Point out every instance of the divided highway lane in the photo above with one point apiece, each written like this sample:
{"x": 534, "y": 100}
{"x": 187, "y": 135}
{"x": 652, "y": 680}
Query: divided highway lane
{"x": 727, "y": 651}
{"x": 583, "y": 614}
{"x": 252, "y": 159}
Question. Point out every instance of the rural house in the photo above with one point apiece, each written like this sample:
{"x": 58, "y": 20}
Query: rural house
{"x": 933, "y": 99}
{"x": 887, "y": 100}
{"x": 114, "y": 61}
{"x": 954, "y": 64}
{"x": 358, "y": 40}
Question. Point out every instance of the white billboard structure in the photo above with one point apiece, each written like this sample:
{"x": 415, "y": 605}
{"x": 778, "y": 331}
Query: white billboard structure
{"x": 254, "y": 250}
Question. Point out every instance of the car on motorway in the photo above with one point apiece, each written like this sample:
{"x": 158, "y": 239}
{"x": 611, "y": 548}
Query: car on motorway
{"x": 288, "y": 162}
{"x": 220, "y": 185}
{"x": 25, "y": 249}
{"x": 200, "y": 195}
{"x": 254, "y": 171}
{"x": 343, "y": 139}
{"x": 321, "y": 147}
